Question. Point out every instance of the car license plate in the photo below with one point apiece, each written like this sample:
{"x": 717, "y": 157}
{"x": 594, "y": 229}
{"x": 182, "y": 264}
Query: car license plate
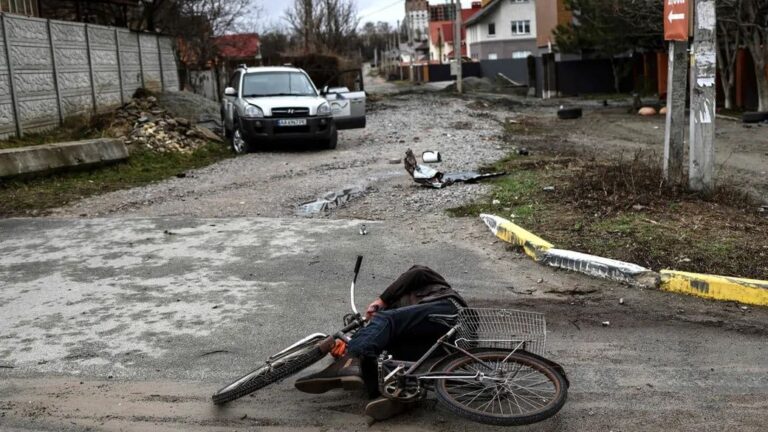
{"x": 292, "y": 122}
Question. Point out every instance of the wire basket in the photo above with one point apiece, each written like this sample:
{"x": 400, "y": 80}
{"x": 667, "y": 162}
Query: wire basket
{"x": 502, "y": 328}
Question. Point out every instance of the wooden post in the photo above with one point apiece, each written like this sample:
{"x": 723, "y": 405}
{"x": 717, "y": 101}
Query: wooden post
{"x": 701, "y": 163}
{"x": 141, "y": 62}
{"x": 674, "y": 136}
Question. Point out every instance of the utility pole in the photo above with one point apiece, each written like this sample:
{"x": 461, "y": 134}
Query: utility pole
{"x": 677, "y": 31}
{"x": 674, "y": 135}
{"x": 701, "y": 160}
{"x": 457, "y": 43}
{"x": 307, "y": 23}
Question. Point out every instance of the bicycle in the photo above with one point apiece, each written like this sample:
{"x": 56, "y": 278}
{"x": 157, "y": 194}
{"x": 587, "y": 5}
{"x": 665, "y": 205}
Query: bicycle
{"x": 492, "y": 370}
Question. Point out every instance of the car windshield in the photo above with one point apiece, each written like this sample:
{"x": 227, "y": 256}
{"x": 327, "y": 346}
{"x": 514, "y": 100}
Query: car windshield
{"x": 264, "y": 84}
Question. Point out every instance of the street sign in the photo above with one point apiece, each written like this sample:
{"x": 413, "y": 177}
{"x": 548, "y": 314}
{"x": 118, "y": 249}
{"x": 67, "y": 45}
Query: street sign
{"x": 676, "y": 20}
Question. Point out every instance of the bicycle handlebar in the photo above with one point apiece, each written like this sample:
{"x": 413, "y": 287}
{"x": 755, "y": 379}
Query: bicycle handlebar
{"x": 358, "y": 264}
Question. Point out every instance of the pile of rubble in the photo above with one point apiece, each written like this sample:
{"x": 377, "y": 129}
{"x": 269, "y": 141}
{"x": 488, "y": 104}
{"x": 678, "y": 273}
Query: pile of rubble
{"x": 144, "y": 123}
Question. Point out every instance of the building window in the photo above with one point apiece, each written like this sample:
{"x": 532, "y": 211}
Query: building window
{"x": 521, "y": 27}
{"x": 21, "y": 7}
{"x": 520, "y": 54}
{"x": 493, "y": 56}
{"x": 518, "y": 1}
{"x": 491, "y": 29}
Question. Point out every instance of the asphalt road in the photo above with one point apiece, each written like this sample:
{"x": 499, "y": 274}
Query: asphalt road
{"x": 131, "y": 324}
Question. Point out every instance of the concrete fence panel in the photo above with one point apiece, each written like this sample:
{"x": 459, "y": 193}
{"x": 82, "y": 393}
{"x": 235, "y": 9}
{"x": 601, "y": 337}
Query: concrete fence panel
{"x": 150, "y": 62}
{"x": 51, "y": 70}
{"x": 130, "y": 62}
{"x": 30, "y": 60}
{"x": 168, "y": 63}
{"x": 104, "y": 66}
{"x": 72, "y": 68}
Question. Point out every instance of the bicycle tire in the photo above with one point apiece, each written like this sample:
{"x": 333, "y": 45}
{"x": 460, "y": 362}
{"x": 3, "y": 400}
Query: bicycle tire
{"x": 268, "y": 374}
{"x": 451, "y": 400}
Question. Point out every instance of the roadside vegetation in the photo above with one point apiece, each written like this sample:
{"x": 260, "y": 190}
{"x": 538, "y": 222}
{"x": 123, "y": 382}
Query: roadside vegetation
{"x": 73, "y": 129}
{"x": 34, "y": 196}
{"x": 621, "y": 209}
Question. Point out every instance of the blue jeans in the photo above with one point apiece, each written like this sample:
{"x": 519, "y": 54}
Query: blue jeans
{"x": 406, "y": 333}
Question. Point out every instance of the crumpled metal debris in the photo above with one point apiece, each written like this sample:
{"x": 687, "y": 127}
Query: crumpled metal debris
{"x": 431, "y": 177}
{"x": 329, "y": 201}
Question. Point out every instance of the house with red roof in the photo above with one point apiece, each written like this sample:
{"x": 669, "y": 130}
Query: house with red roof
{"x": 441, "y": 35}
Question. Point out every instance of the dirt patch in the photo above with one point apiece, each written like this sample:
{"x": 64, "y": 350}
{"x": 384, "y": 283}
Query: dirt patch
{"x": 621, "y": 208}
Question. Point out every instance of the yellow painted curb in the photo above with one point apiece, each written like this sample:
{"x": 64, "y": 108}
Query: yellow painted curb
{"x": 748, "y": 291}
{"x": 511, "y": 233}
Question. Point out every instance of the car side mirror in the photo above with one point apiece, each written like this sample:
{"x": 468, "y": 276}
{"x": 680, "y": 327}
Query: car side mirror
{"x": 230, "y": 91}
{"x": 324, "y": 91}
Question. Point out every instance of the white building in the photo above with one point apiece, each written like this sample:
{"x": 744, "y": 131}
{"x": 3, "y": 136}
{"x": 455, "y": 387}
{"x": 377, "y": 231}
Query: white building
{"x": 503, "y": 29}
{"x": 417, "y": 19}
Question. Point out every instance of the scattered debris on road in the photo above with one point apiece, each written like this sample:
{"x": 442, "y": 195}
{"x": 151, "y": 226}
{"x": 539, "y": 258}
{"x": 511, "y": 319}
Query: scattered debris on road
{"x": 431, "y": 157}
{"x": 427, "y": 176}
{"x": 606, "y": 323}
{"x": 363, "y": 229}
{"x": 329, "y": 201}
{"x": 621, "y": 301}
{"x": 549, "y": 189}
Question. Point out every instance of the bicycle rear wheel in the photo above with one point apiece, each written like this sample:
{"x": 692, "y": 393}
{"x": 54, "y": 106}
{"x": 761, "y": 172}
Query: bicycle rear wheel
{"x": 518, "y": 391}
{"x": 269, "y": 373}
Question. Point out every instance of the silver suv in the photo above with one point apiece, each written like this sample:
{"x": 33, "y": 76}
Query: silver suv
{"x": 266, "y": 104}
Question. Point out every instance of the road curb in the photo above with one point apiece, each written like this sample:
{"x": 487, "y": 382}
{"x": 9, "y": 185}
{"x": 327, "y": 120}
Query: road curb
{"x": 545, "y": 253}
{"x": 748, "y": 291}
{"x": 533, "y": 245}
{"x": 603, "y": 268}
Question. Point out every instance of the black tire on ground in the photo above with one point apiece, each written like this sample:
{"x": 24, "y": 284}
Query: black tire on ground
{"x": 333, "y": 140}
{"x": 569, "y": 113}
{"x": 754, "y": 117}
{"x": 266, "y": 375}
{"x": 246, "y": 146}
{"x": 458, "y": 396}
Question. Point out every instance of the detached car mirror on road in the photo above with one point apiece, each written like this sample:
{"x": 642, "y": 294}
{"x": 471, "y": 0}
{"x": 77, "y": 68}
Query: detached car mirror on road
{"x": 230, "y": 91}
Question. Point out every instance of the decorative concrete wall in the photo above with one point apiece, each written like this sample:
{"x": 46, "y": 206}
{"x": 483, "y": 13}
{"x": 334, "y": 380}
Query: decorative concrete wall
{"x": 51, "y": 70}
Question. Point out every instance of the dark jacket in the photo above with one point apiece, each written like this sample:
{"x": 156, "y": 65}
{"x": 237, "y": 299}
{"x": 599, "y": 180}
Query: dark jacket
{"x": 420, "y": 284}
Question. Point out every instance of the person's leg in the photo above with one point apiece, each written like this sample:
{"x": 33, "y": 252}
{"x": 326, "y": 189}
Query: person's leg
{"x": 390, "y": 326}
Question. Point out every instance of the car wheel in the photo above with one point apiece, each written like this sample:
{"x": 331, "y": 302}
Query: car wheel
{"x": 331, "y": 142}
{"x": 239, "y": 144}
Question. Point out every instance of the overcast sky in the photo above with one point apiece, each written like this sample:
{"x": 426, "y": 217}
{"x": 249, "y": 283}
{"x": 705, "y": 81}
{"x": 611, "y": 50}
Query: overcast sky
{"x": 367, "y": 10}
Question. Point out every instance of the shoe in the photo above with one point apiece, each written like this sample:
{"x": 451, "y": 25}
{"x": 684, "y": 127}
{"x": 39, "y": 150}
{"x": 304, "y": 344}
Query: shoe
{"x": 343, "y": 373}
{"x": 383, "y": 408}
{"x": 326, "y": 345}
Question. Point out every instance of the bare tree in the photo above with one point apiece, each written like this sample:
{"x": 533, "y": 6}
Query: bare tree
{"x": 729, "y": 41}
{"x": 753, "y": 23}
{"x": 324, "y": 24}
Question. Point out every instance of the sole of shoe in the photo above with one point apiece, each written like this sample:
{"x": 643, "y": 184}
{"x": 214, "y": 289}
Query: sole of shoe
{"x": 322, "y": 385}
{"x": 383, "y": 409}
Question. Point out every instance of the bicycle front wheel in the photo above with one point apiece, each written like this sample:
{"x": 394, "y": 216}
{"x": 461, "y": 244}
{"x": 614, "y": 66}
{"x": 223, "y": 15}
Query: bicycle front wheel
{"x": 270, "y": 373}
{"x": 521, "y": 390}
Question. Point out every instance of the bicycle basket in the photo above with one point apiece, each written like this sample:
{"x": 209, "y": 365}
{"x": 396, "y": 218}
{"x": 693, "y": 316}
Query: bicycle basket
{"x": 501, "y": 328}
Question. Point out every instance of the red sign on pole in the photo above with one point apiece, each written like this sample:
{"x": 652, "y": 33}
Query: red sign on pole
{"x": 676, "y": 20}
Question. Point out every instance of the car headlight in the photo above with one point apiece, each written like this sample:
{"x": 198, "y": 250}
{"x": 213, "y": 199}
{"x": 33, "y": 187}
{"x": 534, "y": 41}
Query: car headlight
{"x": 253, "y": 111}
{"x": 324, "y": 109}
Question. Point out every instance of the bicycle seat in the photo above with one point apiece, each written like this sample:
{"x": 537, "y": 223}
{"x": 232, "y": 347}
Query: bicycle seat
{"x": 448, "y": 320}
